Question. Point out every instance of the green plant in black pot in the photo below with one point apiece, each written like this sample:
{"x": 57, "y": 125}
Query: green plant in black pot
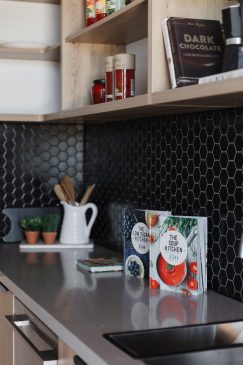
{"x": 49, "y": 227}
{"x": 31, "y": 227}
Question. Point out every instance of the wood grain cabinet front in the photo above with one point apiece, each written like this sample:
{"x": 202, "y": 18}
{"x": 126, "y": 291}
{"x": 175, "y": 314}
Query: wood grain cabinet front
{"x": 66, "y": 356}
{"x": 6, "y": 334}
{"x": 33, "y": 342}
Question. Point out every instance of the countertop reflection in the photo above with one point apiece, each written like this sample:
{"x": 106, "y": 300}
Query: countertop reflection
{"x": 80, "y": 306}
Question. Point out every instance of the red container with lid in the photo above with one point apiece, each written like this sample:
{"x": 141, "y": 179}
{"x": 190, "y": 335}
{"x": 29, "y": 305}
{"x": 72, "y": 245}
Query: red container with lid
{"x": 109, "y": 77}
{"x": 98, "y": 91}
{"x": 90, "y": 12}
{"x": 124, "y": 76}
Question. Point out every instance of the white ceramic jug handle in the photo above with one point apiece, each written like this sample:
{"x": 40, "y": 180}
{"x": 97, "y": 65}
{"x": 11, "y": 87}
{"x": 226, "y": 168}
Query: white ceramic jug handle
{"x": 93, "y": 217}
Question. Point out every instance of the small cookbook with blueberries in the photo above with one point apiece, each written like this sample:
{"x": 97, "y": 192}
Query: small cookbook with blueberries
{"x": 178, "y": 254}
{"x": 137, "y": 239}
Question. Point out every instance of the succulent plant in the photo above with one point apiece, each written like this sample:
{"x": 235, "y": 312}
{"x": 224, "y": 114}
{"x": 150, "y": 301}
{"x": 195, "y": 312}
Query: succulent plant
{"x": 50, "y": 222}
{"x": 32, "y": 224}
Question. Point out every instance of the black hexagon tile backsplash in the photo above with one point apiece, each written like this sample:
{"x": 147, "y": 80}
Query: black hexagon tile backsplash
{"x": 190, "y": 164}
{"x": 33, "y": 158}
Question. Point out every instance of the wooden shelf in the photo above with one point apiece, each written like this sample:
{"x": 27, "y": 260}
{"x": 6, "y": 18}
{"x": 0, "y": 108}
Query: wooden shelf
{"x": 42, "y": 54}
{"x": 123, "y": 27}
{"x": 41, "y": 1}
{"x": 22, "y": 118}
{"x": 211, "y": 96}
{"x": 106, "y": 111}
{"x": 219, "y": 94}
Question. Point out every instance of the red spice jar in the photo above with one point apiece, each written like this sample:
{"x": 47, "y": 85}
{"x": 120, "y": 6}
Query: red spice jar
{"x": 124, "y": 76}
{"x": 109, "y": 78}
{"x": 98, "y": 91}
{"x": 90, "y": 12}
{"x": 101, "y": 9}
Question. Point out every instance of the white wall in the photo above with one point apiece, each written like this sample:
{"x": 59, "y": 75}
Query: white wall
{"x": 140, "y": 49}
{"x": 29, "y": 86}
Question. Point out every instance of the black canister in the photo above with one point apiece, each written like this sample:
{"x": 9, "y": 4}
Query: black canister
{"x": 232, "y": 24}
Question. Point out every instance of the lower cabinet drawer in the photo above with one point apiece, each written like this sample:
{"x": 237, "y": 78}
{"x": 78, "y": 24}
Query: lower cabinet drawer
{"x": 66, "y": 356}
{"x": 34, "y": 343}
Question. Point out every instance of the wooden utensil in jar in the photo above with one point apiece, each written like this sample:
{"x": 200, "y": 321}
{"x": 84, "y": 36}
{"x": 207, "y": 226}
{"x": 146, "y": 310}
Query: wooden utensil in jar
{"x": 87, "y": 194}
{"x": 68, "y": 188}
{"x": 60, "y": 193}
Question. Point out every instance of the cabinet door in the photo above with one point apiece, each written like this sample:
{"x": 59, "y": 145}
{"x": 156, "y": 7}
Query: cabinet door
{"x": 6, "y": 334}
{"x": 33, "y": 342}
{"x": 31, "y": 345}
{"x": 66, "y": 356}
{"x": 23, "y": 354}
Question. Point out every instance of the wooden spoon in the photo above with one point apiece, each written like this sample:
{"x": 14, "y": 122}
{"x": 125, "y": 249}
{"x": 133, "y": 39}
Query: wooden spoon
{"x": 66, "y": 192}
{"x": 68, "y": 187}
{"x": 60, "y": 193}
{"x": 87, "y": 194}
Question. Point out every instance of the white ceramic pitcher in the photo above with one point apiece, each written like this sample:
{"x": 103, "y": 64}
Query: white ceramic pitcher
{"x": 75, "y": 229}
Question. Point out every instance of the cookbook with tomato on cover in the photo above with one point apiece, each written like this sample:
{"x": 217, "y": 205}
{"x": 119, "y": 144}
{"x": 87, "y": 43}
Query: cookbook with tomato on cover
{"x": 178, "y": 254}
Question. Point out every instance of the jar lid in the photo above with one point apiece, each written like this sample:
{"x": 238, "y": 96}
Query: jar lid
{"x": 109, "y": 63}
{"x": 99, "y": 81}
{"x": 124, "y": 61}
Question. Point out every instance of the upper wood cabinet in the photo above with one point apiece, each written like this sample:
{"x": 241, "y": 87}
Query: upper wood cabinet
{"x": 128, "y": 25}
{"x": 83, "y": 59}
{"x": 134, "y": 29}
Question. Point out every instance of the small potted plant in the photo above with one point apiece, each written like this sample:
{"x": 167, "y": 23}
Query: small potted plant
{"x": 31, "y": 227}
{"x": 49, "y": 227}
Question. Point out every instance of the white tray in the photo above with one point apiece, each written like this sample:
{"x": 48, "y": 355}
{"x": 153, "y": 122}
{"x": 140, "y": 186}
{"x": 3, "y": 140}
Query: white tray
{"x": 39, "y": 246}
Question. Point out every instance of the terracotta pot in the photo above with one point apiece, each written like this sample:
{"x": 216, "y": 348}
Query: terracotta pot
{"x": 31, "y": 236}
{"x": 49, "y": 237}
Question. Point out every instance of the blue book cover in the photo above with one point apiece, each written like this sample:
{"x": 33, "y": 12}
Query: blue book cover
{"x": 137, "y": 239}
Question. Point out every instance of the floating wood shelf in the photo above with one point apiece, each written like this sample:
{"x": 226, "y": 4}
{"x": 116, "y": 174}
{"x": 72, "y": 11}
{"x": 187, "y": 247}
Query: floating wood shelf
{"x": 123, "y": 27}
{"x": 41, "y": 1}
{"x": 23, "y": 118}
{"x": 219, "y": 94}
{"x": 105, "y": 111}
{"x": 211, "y": 96}
{"x": 41, "y": 54}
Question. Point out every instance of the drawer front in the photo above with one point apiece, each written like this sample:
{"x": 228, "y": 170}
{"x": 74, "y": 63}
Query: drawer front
{"x": 34, "y": 343}
{"x": 20, "y": 309}
{"x": 66, "y": 356}
{"x": 31, "y": 346}
{"x": 6, "y": 334}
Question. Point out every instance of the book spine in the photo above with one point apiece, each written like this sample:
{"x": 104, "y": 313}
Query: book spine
{"x": 168, "y": 51}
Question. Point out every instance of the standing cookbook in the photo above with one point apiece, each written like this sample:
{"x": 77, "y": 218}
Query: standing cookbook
{"x": 194, "y": 49}
{"x": 137, "y": 239}
{"x": 178, "y": 254}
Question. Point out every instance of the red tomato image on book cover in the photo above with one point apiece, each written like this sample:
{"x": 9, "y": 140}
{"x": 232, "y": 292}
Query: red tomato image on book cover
{"x": 178, "y": 255}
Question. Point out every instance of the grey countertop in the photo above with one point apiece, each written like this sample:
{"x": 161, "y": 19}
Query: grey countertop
{"x": 80, "y": 307}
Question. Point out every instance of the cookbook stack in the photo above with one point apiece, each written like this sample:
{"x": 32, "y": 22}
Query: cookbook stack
{"x": 176, "y": 250}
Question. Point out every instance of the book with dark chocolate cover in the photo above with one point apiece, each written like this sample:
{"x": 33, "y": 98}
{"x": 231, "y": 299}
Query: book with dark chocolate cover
{"x": 194, "y": 49}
